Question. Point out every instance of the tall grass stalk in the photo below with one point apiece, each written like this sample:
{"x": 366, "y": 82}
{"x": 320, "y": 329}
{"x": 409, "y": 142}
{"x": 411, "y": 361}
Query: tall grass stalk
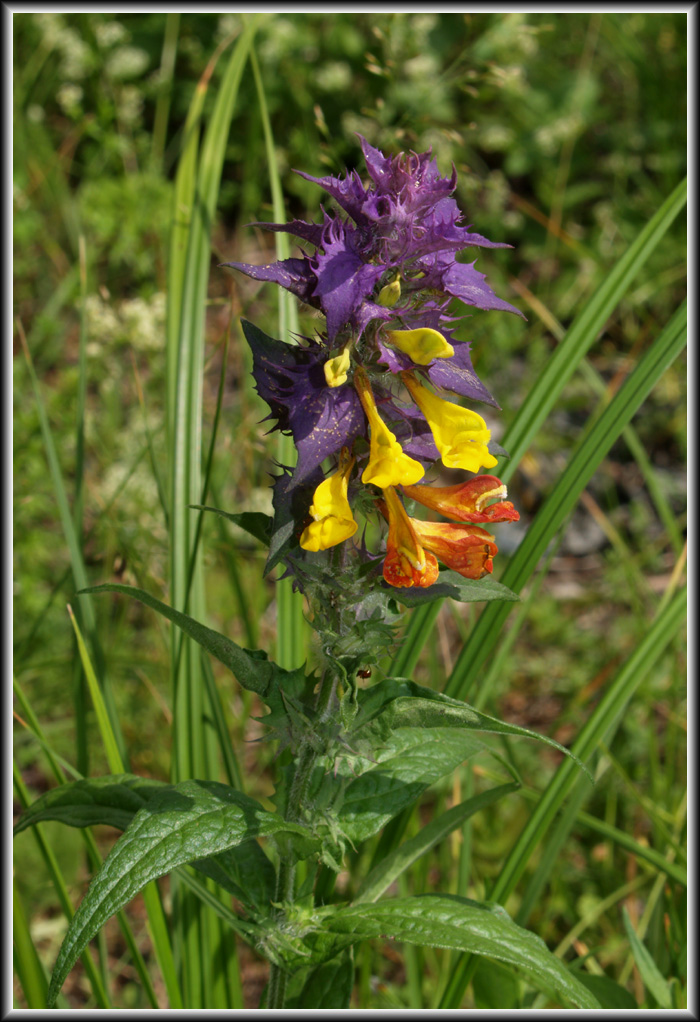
{"x": 291, "y": 626}
{"x": 206, "y": 953}
{"x": 600, "y": 726}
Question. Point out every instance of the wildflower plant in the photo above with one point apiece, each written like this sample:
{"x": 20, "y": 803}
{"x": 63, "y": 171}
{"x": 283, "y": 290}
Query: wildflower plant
{"x": 372, "y": 397}
{"x": 391, "y": 505}
{"x": 373, "y": 404}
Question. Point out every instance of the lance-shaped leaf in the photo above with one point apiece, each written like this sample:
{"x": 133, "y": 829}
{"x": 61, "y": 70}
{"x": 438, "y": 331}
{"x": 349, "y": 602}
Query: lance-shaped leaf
{"x": 112, "y": 801}
{"x": 184, "y": 823}
{"x": 255, "y": 523}
{"x": 449, "y": 583}
{"x": 406, "y": 704}
{"x": 245, "y": 871}
{"x": 407, "y": 761}
{"x": 326, "y": 986}
{"x": 251, "y": 667}
{"x": 457, "y": 924}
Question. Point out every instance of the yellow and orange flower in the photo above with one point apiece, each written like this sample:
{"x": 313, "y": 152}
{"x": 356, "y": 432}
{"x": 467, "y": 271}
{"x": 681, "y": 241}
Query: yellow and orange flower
{"x": 468, "y": 501}
{"x": 466, "y": 549}
{"x": 461, "y": 545}
{"x": 406, "y": 563}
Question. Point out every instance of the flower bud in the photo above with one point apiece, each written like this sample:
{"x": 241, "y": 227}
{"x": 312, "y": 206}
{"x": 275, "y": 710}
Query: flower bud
{"x": 390, "y": 294}
{"x": 336, "y": 369}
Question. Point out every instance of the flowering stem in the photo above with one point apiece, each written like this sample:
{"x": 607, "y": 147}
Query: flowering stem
{"x": 295, "y": 813}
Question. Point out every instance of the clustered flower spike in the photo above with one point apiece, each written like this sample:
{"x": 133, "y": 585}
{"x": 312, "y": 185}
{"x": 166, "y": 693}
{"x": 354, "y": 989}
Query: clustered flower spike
{"x": 371, "y": 392}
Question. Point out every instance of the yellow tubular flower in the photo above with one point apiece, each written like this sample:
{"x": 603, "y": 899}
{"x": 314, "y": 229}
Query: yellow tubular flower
{"x": 332, "y": 518}
{"x": 336, "y": 369}
{"x": 460, "y": 435}
{"x": 388, "y": 465}
{"x": 422, "y": 345}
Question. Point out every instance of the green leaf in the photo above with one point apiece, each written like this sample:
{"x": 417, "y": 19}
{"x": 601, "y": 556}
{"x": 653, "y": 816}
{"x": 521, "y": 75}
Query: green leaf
{"x": 292, "y": 627}
{"x": 397, "y": 862}
{"x": 179, "y": 825}
{"x": 609, "y": 993}
{"x": 449, "y": 583}
{"x": 244, "y": 871}
{"x": 327, "y": 986}
{"x": 407, "y": 762}
{"x": 113, "y": 800}
{"x": 406, "y": 704}
{"x": 255, "y": 523}
{"x": 458, "y": 924}
{"x": 28, "y": 966}
{"x": 648, "y": 969}
{"x": 496, "y": 987}
{"x": 251, "y": 667}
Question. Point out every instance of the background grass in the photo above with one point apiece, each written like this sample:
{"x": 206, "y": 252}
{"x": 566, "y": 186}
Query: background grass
{"x": 568, "y": 133}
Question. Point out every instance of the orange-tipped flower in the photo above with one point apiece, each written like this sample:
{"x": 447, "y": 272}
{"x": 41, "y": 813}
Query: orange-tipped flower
{"x": 466, "y": 549}
{"x": 467, "y": 502}
{"x": 406, "y": 562}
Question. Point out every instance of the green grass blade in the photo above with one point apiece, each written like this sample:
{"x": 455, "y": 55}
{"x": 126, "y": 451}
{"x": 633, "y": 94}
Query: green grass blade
{"x": 247, "y": 930}
{"x": 629, "y": 434}
{"x": 33, "y": 724}
{"x": 194, "y": 743}
{"x": 291, "y": 625}
{"x": 395, "y": 864}
{"x": 153, "y": 458}
{"x": 583, "y": 333}
{"x": 648, "y": 969}
{"x": 165, "y": 85}
{"x": 406, "y": 657}
{"x": 209, "y": 459}
{"x": 231, "y": 766}
{"x": 596, "y": 442}
{"x": 109, "y": 743}
{"x": 600, "y": 726}
{"x": 82, "y": 391}
{"x": 116, "y": 765}
{"x": 28, "y": 967}
{"x": 247, "y": 618}
{"x": 92, "y": 972}
{"x": 76, "y": 556}
{"x": 585, "y": 820}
